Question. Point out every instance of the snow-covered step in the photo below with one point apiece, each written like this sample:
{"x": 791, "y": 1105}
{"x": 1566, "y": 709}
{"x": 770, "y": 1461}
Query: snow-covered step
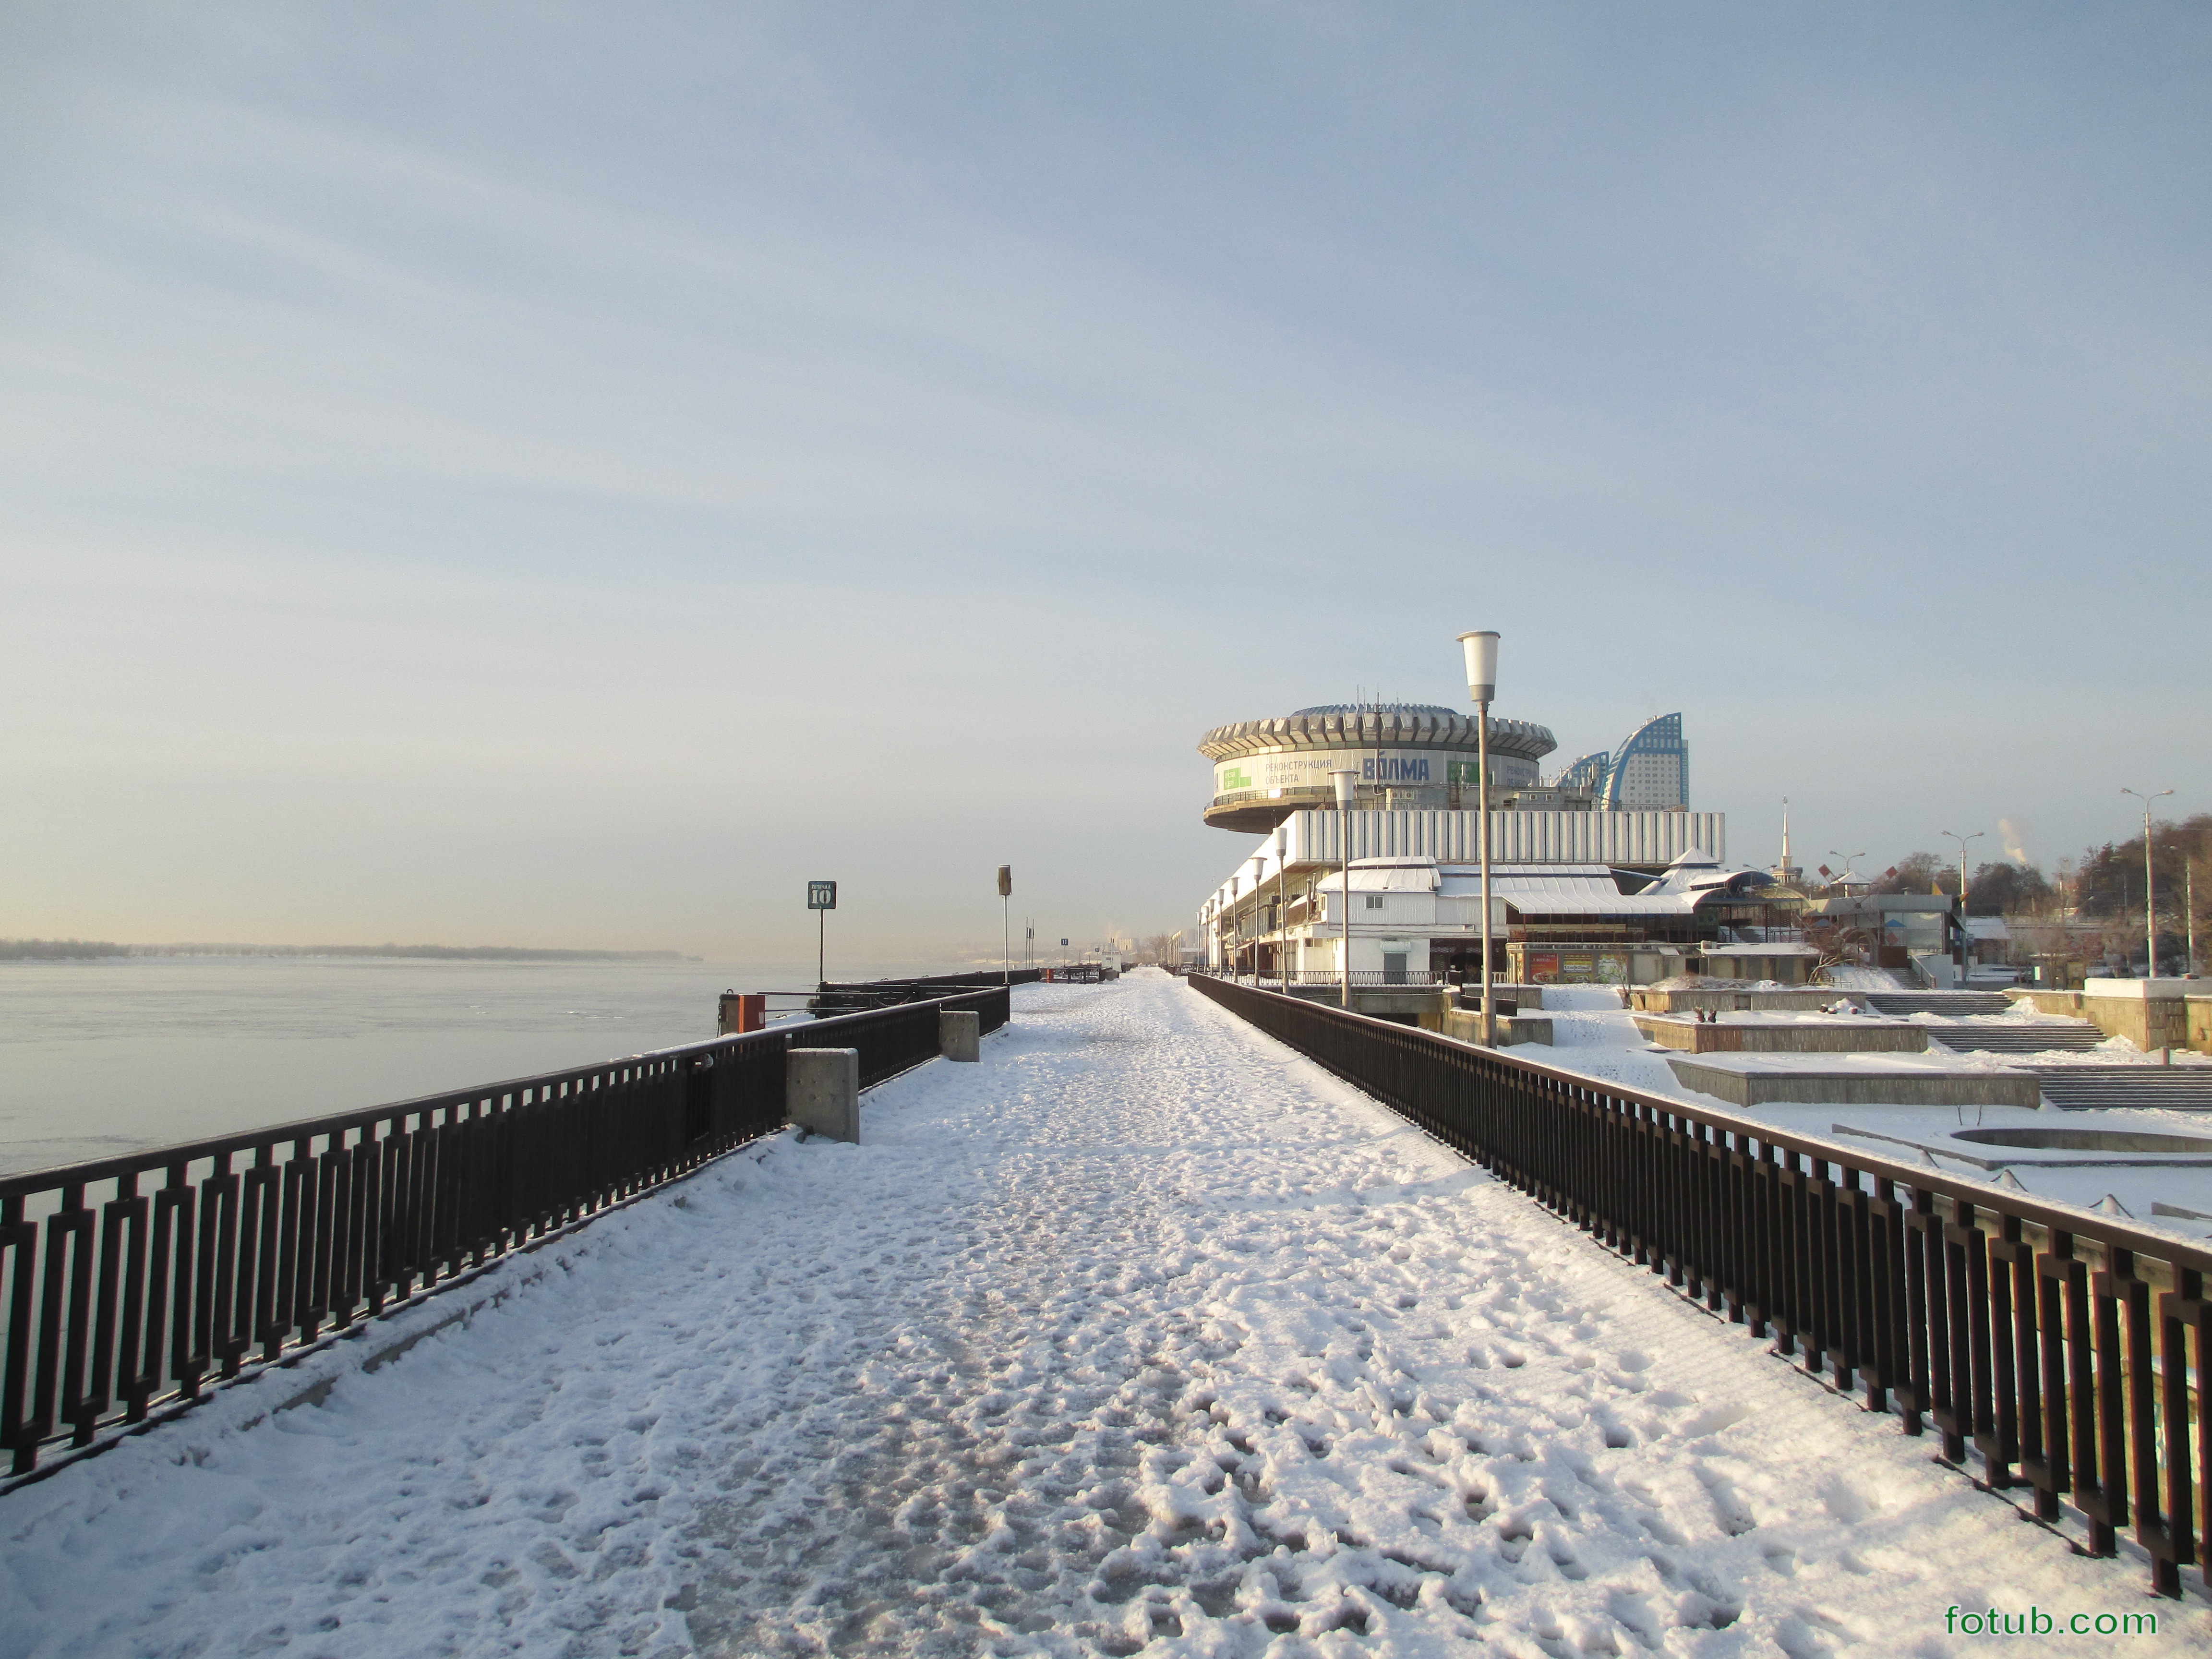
{"x": 1954, "y": 1003}
{"x": 2083, "y": 1088}
{"x": 2074, "y": 1035}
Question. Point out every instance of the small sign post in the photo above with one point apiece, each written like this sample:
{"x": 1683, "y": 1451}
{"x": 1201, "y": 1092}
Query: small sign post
{"x": 821, "y": 898}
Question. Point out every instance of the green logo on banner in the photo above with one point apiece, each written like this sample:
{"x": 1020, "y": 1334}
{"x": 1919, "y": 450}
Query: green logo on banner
{"x": 1233, "y": 778}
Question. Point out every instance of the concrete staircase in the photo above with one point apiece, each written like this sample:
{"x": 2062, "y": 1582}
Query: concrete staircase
{"x": 2165, "y": 1088}
{"x": 1954, "y": 1003}
{"x": 2075, "y": 1035}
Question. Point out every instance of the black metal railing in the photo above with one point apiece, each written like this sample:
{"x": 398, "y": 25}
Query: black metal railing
{"x": 844, "y": 996}
{"x": 127, "y": 1284}
{"x": 1362, "y": 978}
{"x": 2064, "y": 1352}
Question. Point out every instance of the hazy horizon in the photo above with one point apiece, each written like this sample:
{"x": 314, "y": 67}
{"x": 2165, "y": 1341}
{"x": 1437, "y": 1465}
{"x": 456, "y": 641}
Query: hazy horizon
{"x": 536, "y": 473}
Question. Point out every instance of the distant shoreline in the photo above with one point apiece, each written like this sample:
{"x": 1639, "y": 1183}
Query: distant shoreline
{"x": 80, "y": 949}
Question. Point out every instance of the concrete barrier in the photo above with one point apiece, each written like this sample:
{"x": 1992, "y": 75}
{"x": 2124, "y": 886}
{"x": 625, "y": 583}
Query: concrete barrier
{"x": 1511, "y": 1029}
{"x": 2153, "y": 1013}
{"x": 1805, "y": 999}
{"x": 1788, "y": 1037}
{"x": 1757, "y": 1080}
{"x": 960, "y": 1034}
{"x": 822, "y": 1092}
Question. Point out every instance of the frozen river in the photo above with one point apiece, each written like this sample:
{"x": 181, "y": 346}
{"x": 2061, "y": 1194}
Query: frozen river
{"x": 108, "y": 1054}
{"x": 1145, "y": 1336}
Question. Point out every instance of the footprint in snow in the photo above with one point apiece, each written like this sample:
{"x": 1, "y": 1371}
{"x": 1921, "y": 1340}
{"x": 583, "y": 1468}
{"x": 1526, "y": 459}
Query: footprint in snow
{"x": 1721, "y": 1414}
{"x": 1730, "y": 1508}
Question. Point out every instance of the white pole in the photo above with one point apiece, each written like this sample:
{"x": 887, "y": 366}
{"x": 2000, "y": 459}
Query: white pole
{"x": 1344, "y": 779}
{"x": 1481, "y": 649}
{"x": 2150, "y": 904}
{"x": 1005, "y": 924}
{"x": 1482, "y": 762}
{"x": 2189, "y": 900}
{"x": 1282, "y": 908}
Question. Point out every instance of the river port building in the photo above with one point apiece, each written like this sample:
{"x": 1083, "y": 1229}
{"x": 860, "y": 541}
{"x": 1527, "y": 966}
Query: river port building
{"x": 1560, "y": 878}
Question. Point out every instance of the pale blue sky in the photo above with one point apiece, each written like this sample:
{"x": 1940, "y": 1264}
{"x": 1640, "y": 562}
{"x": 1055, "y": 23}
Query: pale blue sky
{"x": 559, "y": 474}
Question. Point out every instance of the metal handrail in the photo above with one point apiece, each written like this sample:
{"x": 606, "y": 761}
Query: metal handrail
{"x": 2054, "y": 1344}
{"x": 126, "y": 1283}
{"x": 1414, "y": 977}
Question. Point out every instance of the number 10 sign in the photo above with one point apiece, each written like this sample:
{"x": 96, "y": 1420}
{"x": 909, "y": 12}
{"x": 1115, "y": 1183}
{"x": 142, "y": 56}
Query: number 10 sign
{"x": 821, "y": 895}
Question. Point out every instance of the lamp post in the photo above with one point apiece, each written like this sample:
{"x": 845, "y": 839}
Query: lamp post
{"x": 2150, "y": 893}
{"x": 1965, "y": 947}
{"x": 1481, "y": 647}
{"x": 2189, "y": 903}
{"x": 1849, "y": 860}
{"x": 1005, "y": 924}
{"x": 1345, "y": 779}
{"x": 1281, "y": 843}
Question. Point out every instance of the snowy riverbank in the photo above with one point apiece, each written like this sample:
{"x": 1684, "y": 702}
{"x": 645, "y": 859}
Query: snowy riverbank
{"x": 1596, "y": 1037}
{"x": 1144, "y": 1334}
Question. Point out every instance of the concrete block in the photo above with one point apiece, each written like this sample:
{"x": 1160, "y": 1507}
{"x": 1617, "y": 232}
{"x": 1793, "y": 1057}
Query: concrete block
{"x": 960, "y": 1034}
{"x": 822, "y": 1092}
{"x": 1517, "y": 1027}
{"x": 2143, "y": 990}
{"x": 1807, "y": 999}
{"x": 1757, "y": 1080}
{"x": 1795, "y": 1037}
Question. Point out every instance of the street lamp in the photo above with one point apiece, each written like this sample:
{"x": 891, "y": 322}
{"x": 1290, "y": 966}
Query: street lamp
{"x": 1481, "y": 647}
{"x": 1849, "y": 860}
{"x": 1345, "y": 779}
{"x": 1005, "y": 924}
{"x": 1281, "y": 844}
{"x": 2189, "y": 908}
{"x": 1236, "y": 936}
{"x": 2150, "y": 895}
{"x": 1965, "y": 947}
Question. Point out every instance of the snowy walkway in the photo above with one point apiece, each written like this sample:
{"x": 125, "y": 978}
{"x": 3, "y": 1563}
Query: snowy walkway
{"x": 1144, "y": 1331}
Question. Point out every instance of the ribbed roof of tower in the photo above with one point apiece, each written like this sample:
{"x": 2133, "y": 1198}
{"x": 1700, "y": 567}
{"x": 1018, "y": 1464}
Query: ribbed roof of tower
{"x": 1413, "y": 725}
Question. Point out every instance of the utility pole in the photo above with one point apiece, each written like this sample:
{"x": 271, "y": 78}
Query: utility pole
{"x": 1006, "y": 924}
{"x": 2188, "y": 899}
{"x": 1966, "y": 943}
{"x": 2150, "y": 892}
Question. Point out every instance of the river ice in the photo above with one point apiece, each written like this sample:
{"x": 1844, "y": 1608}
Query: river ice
{"x": 1142, "y": 1335}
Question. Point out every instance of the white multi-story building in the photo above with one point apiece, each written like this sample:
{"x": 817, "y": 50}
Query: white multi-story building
{"x": 1416, "y": 908}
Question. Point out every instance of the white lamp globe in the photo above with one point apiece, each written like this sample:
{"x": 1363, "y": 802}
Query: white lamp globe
{"x": 1481, "y": 649}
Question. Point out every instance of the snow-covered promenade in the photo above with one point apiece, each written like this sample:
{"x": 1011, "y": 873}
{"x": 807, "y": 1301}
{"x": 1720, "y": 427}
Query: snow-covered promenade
{"x": 1144, "y": 1334}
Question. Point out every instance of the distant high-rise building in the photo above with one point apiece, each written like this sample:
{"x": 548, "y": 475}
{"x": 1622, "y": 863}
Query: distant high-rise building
{"x": 1586, "y": 775}
{"x": 1650, "y": 770}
